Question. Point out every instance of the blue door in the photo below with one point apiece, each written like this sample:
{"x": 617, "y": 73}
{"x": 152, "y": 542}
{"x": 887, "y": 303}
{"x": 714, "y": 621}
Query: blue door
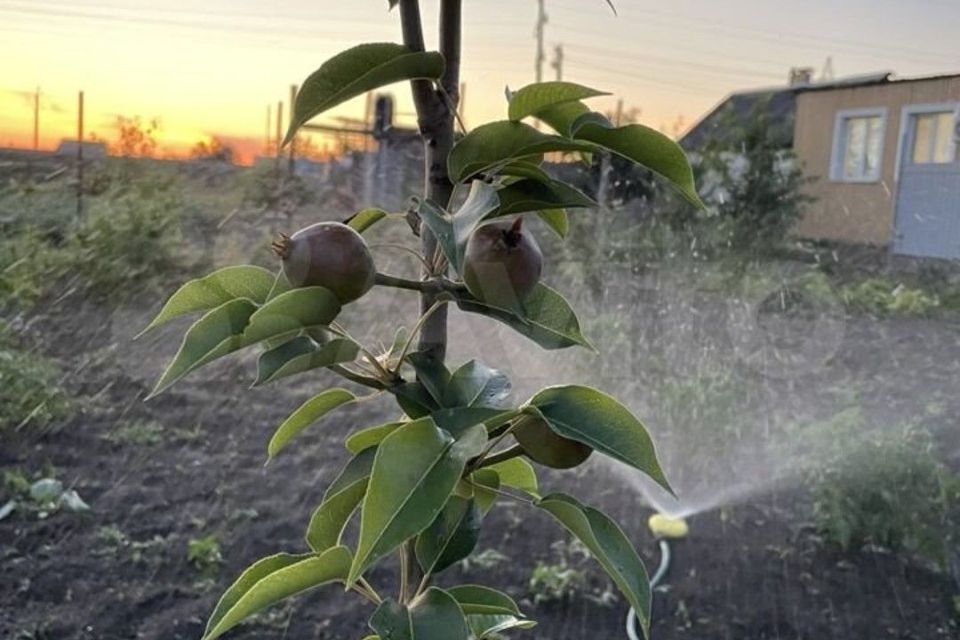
{"x": 928, "y": 194}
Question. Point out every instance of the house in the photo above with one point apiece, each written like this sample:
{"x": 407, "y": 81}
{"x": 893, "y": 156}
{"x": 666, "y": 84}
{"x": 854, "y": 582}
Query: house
{"x": 884, "y": 155}
{"x": 91, "y": 150}
{"x": 882, "y": 151}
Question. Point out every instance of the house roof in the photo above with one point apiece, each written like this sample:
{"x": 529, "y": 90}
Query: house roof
{"x": 735, "y": 110}
{"x": 780, "y": 102}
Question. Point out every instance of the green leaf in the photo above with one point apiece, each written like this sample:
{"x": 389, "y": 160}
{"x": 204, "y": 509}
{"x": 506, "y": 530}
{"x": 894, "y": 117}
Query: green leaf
{"x": 392, "y": 620}
{"x": 363, "y": 220}
{"x": 274, "y": 579}
{"x": 548, "y": 319}
{"x": 308, "y": 413}
{"x": 476, "y": 599}
{"x": 598, "y": 420}
{"x": 432, "y": 374}
{"x": 357, "y": 71}
{"x": 524, "y": 169}
{"x": 565, "y": 118}
{"x": 433, "y": 616}
{"x": 475, "y": 384}
{"x": 484, "y": 485}
{"x": 542, "y": 95}
{"x": 519, "y": 474}
{"x": 458, "y": 420}
{"x": 556, "y": 219}
{"x": 649, "y": 148}
{"x": 533, "y": 195}
{"x": 371, "y": 436}
{"x": 415, "y": 471}
{"x": 216, "y": 334}
{"x": 451, "y": 537}
{"x": 302, "y": 354}
{"x": 609, "y": 546}
{"x": 492, "y": 625}
{"x": 339, "y": 502}
{"x": 481, "y": 201}
{"x": 280, "y": 285}
{"x": 211, "y": 291}
{"x": 440, "y": 224}
{"x": 291, "y": 312}
{"x": 500, "y": 143}
{"x": 414, "y": 399}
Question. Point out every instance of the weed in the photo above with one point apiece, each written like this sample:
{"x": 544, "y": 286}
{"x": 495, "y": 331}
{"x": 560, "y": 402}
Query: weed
{"x": 556, "y": 582}
{"x": 204, "y": 553}
{"x": 30, "y": 390}
{"x": 484, "y": 561}
{"x": 887, "y": 490}
{"x": 15, "y": 483}
{"x": 140, "y": 434}
{"x": 881, "y": 297}
{"x": 116, "y": 543}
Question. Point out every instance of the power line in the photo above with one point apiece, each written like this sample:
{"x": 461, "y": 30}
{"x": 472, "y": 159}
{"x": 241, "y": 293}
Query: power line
{"x": 764, "y": 35}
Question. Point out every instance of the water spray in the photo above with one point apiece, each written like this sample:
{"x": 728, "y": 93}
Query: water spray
{"x": 664, "y": 529}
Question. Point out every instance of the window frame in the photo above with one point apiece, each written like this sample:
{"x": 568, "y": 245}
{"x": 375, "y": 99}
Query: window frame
{"x": 838, "y": 151}
{"x": 905, "y": 143}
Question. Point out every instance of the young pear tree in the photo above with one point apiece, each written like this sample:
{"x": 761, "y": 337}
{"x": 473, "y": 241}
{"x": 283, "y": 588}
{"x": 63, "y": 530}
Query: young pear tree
{"x": 423, "y": 483}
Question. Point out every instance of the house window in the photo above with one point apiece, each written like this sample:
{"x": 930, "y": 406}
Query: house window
{"x": 933, "y": 138}
{"x": 858, "y": 145}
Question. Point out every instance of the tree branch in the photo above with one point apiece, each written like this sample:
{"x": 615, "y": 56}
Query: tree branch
{"x": 436, "y": 120}
{"x": 424, "y": 97}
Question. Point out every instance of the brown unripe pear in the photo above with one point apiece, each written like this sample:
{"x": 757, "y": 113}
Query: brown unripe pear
{"x": 502, "y": 263}
{"x": 542, "y": 445}
{"x": 330, "y": 255}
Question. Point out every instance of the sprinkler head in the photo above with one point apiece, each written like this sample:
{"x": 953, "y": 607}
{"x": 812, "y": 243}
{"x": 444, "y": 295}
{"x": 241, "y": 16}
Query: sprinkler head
{"x": 666, "y": 527}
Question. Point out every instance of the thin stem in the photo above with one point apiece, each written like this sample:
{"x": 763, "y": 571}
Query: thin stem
{"x": 490, "y": 446}
{"x": 372, "y": 359}
{"x": 507, "y": 454}
{"x": 352, "y": 376}
{"x": 399, "y": 283}
{"x": 400, "y": 247}
{"x": 417, "y": 327}
{"x": 373, "y": 592}
{"x": 451, "y": 104}
{"x": 405, "y": 560}
{"x": 501, "y": 492}
{"x": 372, "y": 597}
{"x": 424, "y": 584}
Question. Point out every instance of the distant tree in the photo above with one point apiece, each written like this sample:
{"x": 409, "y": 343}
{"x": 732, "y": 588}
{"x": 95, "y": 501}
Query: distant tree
{"x": 214, "y": 149}
{"x": 751, "y": 182}
{"x": 135, "y": 138}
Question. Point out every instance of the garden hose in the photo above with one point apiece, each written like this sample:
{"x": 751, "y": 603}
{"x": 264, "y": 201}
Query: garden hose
{"x": 665, "y": 529}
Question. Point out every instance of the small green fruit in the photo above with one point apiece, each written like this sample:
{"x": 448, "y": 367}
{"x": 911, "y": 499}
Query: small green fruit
{"x": 330, "y": 255}
{"x": 502, "y": 263}
{"x": 542, "y": 445}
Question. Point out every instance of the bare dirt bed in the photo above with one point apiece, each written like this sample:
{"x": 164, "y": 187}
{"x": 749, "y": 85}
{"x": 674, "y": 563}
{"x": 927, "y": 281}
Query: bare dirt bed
{"x": 750, "y": 572}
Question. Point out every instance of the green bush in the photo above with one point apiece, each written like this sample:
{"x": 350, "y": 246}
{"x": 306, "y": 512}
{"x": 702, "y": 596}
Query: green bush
{"x": 30, "y": 391}
{"x": 128, "y": 240}
{"x": 886, "y": 490}
{"x": 880, "y": 297}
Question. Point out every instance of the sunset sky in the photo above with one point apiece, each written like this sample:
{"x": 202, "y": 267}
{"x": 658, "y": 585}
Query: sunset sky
{"x": 211, "y": 68}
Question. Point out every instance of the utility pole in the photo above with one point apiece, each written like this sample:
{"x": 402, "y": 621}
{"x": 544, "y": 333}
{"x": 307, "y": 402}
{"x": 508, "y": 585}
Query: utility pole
{"x": 541, "y": 23}
{"x": 80, "y": 154}
{"x": 276, "y": 162}
{"x": 293, "y": 143}
{"x": 36, "y": 119}
{"x": 557, "y": 63}
{"x": 266, "y": 137}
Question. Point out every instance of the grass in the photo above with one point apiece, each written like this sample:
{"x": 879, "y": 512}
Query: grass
{"x": 31, "y": 393}
{"x": 139, "y": 434}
